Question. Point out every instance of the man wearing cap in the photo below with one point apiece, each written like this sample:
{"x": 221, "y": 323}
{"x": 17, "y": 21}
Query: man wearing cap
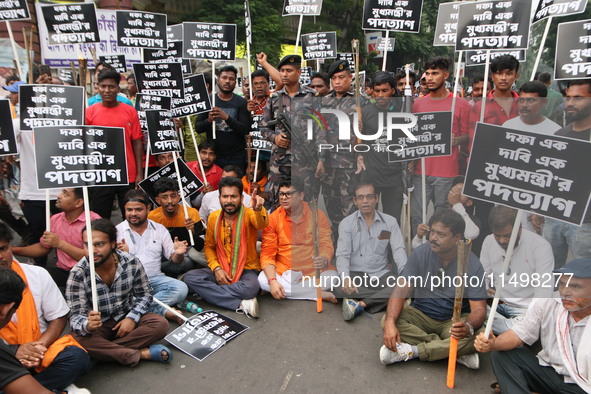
{"x": 290, "y": 101}
{"x": 13, "y": 97}
{"x": 562, "y": 325}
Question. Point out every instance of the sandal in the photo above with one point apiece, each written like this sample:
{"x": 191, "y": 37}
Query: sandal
{"x": 495, "y": 386}
{"x": 156, "y": 353}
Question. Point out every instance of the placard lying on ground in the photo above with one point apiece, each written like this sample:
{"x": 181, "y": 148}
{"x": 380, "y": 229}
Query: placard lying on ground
{"x": 493, "y": 25}
{"x": 196, "y": 98}
{"x": 160, "y": 79}
{"x": 209, "y": 41}
{"x": 117, "y": 61}
{"x": 433, "y": 132}
{"x": 548, "y": 175}
{"x": 51, "y": 105}
{"x": 478, "y": 58}
{"x": 144, "y": 102}
{"x": 141, "y": 29}
{"x": 302, "y": 7}
{"x": 12, "y": 10}
{"x": 161, "y": 131}
{"x": 191, "y": 184}
{"x": 573, "y": 50}
{"x": 7, "y": 139}
{"x": 322, "y": 45}
{"x": 71, "y": 23}
{"x": 548, "y": 8}
{"x": 394, "y": 15}
{"x": 80, "y": 156}
{"x": 447, "y": 24}
{"x": 205, "y": 333}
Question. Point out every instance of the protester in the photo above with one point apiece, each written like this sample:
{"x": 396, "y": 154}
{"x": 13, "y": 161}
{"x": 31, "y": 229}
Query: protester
{"x": 121, "y": 330}
{"x": 288, "y": 259}
{"x": 532, "y": 101}
{"x": 97, "y": 98}
{"x": 423, "y": 330}
{"x": 320, "y": 82}
{"x": 402, "y": 81}
{"x": 211, "y": 200}
{"x": 553, "y": 109}
{"x": 562, "y": 325}
{"x": 230, "y": 247}
{"x": 260, "y": 92}
{"x": 261, "y": 176}
{"x": 12, "y": 90}
{"x": 368, "y": 242}
{"x": 131, "y": 88}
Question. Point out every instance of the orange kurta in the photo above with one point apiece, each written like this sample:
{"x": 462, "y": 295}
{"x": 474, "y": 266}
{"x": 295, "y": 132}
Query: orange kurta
{"x": 285, "y": 241}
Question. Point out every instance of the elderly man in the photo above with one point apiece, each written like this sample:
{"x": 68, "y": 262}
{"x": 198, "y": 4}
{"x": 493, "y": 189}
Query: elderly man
{"x": 424, "y": 329}
{"x": 562, "y": 325}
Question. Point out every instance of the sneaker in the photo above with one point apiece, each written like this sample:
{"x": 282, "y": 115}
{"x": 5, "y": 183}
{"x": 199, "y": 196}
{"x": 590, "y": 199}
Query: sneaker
{"x": 72, "y": 389}
{"x": 471, "y": 361}
{"x": 404, "y": 353}
{"x": 249, "y": 307}
{"x": 351, "y": 309}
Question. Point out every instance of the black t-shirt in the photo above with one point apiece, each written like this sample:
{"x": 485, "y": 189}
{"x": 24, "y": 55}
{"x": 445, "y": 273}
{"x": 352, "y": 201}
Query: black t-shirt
{"x": 10, "y": 368}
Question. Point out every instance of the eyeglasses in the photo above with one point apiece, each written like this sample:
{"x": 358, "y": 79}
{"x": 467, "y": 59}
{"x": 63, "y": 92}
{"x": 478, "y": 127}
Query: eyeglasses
{"x": 96, "y": 244}
{"x": 286, "y": 194}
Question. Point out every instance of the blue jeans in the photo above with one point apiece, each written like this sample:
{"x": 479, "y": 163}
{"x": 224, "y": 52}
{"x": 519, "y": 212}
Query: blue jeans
{"x": 437, "y": 190}
{"x": 168, "y": 290}
{"x": 564, "y": 236}
{"x": 68, "y": 365}
{"x": 506, "y": 317}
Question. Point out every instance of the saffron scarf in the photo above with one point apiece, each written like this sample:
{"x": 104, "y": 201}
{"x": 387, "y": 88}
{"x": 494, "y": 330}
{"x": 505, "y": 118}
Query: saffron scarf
{"x": 235, "y": 266}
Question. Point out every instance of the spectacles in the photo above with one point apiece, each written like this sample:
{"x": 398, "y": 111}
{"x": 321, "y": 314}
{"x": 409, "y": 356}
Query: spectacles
{"x": 96, "y": 245}
{"x": 286, "y": 194}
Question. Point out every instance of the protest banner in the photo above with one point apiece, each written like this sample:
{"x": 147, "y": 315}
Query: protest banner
{"x": 7, "y": 138}
{"x": 302, "y": 7}
{"x": 160, "y": 79}
{"x": 348, "y": 56}
{"x": 257, "y": 142}
{"x": 209, "y": 41}
{"x": 173, "y": 54}
{"x": 141, "y": 29}
{"x": 552, "y": 8}
{"x": 493, "y": 25}
{"x": 14, "y": 10}
{"x": 71, "y": 23}
{"x": 144, "y": 102}
{"x": 191, "y": 184}
{"x": 161, "y": 131}
{"x": 447, "y": 24}
{"x": 196, "y": 98}
{"x": 204, "y": 333}
{"x": 321, "y": 45}
{"x": 117, "y": 61}
{"x": 305, "y": 76}
{"x": 50, "y": 105}
{"x": 537, "y": 173}
{"x": 382, "y": 44}
{"x": 573, "y": 50}
{"x": 392, "y": 15}
{"x": 174, "y": 32}
{"x": 478, "y": 58}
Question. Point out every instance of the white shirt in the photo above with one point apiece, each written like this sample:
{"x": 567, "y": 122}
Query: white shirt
{"x": 49, "y": 301}
{"x": 533, "y": 254}
{"x": 149, "y": 247}
{"x": 545, "y": 127}
{"x": 211, "y": 203}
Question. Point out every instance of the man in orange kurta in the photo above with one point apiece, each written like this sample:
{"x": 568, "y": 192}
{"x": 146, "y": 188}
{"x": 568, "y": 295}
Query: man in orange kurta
{"x": 288, "y": 256}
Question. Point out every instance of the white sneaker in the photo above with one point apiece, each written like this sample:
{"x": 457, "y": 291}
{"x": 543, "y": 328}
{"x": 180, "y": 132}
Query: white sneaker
{"x": 249, "y": 307}
{"x": 471, "y": 361}
{"x": 72, "y": 389}
{"x": 404, "y": 353}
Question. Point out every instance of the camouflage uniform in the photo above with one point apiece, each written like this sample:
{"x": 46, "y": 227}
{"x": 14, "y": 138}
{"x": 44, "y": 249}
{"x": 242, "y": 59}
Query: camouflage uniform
{"x": 289, "y": 162}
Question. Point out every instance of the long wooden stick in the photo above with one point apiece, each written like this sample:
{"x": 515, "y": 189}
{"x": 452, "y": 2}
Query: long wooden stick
{"x": 169, "y": 309}
{"x": 182, "y": 192}
{"x": 314, "y": 208}
{"x": 15, "y": 52}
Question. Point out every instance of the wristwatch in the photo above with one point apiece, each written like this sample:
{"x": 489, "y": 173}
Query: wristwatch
{"x": 470, "y": 328}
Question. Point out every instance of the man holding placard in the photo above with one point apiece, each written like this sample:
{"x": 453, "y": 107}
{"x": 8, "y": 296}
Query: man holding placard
{"x": 110, "y": 112}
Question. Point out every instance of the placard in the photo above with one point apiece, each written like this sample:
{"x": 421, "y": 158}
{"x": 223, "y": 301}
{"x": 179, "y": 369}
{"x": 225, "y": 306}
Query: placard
{"x": 50, "y": 105}
{"x": 447, "y": 24}
{"x": 209, "y": 41}
{"x": 319, "y": 45}
{"x": 159, "y": 79}
{"x": 7, "y": 138}
{"x": 196, "y": 100}
{"x": 174, "y": 32}
{"x": 478, "y": 58}
{"x": 258, "y": 142}
{"x": 162, "y": 133}
{"x": 302, "y": 7}
{"x": 493, "y": 25}
{"x": 80, "y": 156}
{"x": 71, "y": 23}
{"x": 393, "y": 15}
{"x": 141, "y": 29}
{"x": 348, "y": 56}
{"x": 205, "y": 333}
{"x": 434, "y": 134}
{"x": 382, "y": 44}
{"x": 191, "y": 184}
{"x": 306, "y": 76}
{"x": 548, "y": 8}
{"x": 573, "y": 50}
{"x": 173, "y": 54}
{"x": 117, "y": 61}
{"x": 144, "y": 102}
{"x": 547, "y": 175}
{"x": 14, "y": 10}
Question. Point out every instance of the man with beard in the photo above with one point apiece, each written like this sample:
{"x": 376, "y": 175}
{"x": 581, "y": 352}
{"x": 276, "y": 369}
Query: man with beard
{"x": 231, "y": 118}
{"x": 532, "y": 257}
{"x": 121, "y": 330}
{"x": 561, "y": 235}
{"x": 320, "y": 82}
{"x": 211, "y": 201}
{"x": 151, "y": 243}
{"x": 563, "y": 327}
{"x": 532, "y": 100}
{"x": 424, "y": 329}
{"x": 231, "y": 281}
{"x": 35, "y": 330}
{"x": 439, "y": 171}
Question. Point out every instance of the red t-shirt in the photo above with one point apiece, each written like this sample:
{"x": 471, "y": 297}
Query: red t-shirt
{"x": 493, "y": 112}
{"x": 214, "y": 174}
{"x": 125, "y": 116}
{"x": 444, "y": 166}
